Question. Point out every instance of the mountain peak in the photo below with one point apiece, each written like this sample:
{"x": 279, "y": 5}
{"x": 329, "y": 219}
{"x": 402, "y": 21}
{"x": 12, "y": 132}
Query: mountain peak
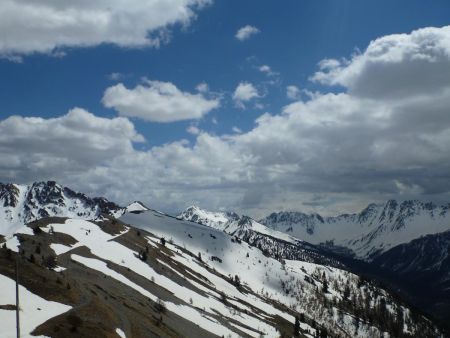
{"x": 136, "y": 206}
{"x": 22, "y": 204}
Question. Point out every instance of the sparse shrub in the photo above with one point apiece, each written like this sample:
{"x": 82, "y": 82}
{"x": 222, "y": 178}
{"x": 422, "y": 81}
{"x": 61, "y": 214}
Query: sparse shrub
{"x": 143, "y": 255}
{"x": 74, "y": 321}
{"x": 50, "y": 262}
{"x": 237, "y": 281}
{"x": 32, "y": 259}
{"x": 37, "y": 230}
{"x": 163, "y": 241}
{"x": 160, "y": 306}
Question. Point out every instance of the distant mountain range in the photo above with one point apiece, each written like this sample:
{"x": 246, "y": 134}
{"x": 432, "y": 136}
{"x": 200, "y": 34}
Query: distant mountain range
{"x": 369, "y": 233}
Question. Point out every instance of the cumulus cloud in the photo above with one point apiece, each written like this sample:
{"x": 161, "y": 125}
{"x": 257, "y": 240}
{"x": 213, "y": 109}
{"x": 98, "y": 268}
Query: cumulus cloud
{"x": 349, "y": 147}
{"x": 244, "y": 92}
{"x": 292, "y": 92}
{"x": 394, "y": 66}
{"x": 158, "y": 101}
{"x": 45, "y": 26}
{"x": 246, "y": 32}
{"x": 72, "y": 143}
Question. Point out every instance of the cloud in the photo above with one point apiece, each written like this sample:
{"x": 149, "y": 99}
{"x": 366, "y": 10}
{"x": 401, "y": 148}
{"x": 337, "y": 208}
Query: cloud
{"x": 245, "y": 92}
{"x": 394, "y": 66}
{"x": 268, "y": 71}
{"x": 349, "y": 147}
{"x": 193, "y": 130}
{"x": 158, "y": 101}
{"x": 292, "y": 92}
{"x": 202, "y": 87}
{"x": 46, "y": 26}
{"x": 246, "y": 32}
{"x": 115, "y": 76}
{"x": 236, "y": 130}
{"x": 38, "y": 147}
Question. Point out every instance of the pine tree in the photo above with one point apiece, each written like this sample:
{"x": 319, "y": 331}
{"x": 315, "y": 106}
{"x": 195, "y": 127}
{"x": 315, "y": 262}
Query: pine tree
{"x": 297, "y": 327}
{"x": 325, "y": 285}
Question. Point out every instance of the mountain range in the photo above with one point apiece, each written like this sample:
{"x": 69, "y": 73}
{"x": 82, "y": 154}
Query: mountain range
{"x": 402, "y": 244}
{"x": 369, "y": 233}
{"x": 89, "y": 267}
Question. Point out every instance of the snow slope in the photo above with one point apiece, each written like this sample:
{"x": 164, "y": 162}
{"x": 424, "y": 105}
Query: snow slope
{"x": 224, "y": 286}
{"x": 293, "y": 283}
{"x": 34, "y": 310}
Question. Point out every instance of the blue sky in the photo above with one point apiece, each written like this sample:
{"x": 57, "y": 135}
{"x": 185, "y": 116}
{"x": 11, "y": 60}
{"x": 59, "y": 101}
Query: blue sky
{"x": 293, "y": 37}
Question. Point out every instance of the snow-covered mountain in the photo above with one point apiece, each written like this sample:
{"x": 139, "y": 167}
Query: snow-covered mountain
{"x": 149, "y": 274}
{"x": 231, "y": 223}
{"x": 369, "y": 233}
{"x": 136, "y": 272}
{"x": 21, "y": 204}
{"x": 136, "y": 207}
{"x": 272, "y": 242}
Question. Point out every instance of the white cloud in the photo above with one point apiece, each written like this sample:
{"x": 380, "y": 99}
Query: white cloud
{"x": 44, "y": 26}
{"x": 68, "y": 144}
{"x": 158, "y": 101}
{"x": 292, "y": 92}
{"x": 245, "y": 92}
{"x": 394, "y": 66}
{"x": 268, "y": 71}
{"x": 346, "y": 146}
{"x": 236, "y": 130}
{"x": 246, "y": 32}
{"x": 265, "y": 69}
{"x": 202, "y": 87}
{"x": 194, "y": 130}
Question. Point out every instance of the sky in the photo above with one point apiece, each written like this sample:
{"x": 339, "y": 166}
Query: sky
{"x": 252, "y": 106}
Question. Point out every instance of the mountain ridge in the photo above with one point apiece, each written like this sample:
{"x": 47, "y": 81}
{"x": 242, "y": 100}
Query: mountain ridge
{"x": 21, "y": 204}
{"x": 374, "y": 230}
